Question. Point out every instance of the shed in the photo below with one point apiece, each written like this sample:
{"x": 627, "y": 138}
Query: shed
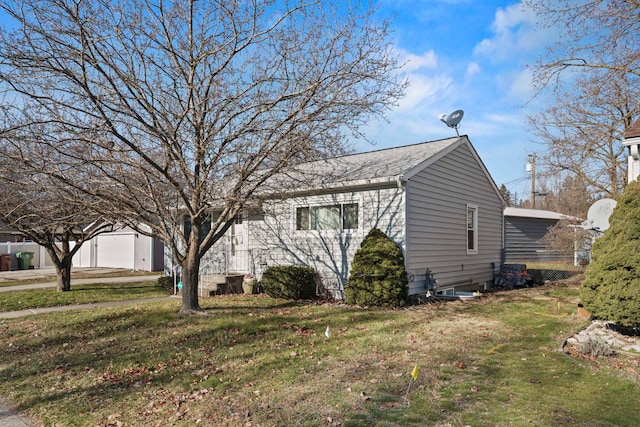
{"x": 524, "y": 230}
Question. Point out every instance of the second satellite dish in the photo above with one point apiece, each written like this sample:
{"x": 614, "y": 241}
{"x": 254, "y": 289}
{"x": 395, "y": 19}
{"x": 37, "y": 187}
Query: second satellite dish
{"x": 598, "y": 215}
{"x": 453, "y": 119}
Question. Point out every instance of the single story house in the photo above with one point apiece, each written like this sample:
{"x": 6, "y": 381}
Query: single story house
{"x": 436, "y": 200}
{"x": 524, "y": 230}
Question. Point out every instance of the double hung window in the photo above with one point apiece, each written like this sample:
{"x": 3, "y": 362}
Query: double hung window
{"x": 472, "y": 229}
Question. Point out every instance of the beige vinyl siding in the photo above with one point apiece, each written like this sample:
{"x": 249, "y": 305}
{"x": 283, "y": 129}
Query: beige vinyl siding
{"x": 437, "y": 200}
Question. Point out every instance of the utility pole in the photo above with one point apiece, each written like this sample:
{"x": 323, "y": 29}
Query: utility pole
{"x": 531, "y": 167}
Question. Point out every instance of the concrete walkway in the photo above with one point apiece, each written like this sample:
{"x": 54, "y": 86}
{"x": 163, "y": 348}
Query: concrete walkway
{"x": 30, "y": 311}
{"x": 10, "y": 418}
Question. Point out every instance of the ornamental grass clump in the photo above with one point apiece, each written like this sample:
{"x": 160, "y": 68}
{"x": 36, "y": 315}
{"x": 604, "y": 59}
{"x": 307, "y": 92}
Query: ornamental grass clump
{"x": 611, "y": 289}
{"x": 595, "y": 347}
{"x": 378, "y": 276}
{"x": 289, "y": 282}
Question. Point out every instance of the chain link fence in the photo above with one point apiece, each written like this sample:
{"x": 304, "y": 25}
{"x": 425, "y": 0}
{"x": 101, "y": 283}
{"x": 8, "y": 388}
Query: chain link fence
{"x": 543, "y": 275}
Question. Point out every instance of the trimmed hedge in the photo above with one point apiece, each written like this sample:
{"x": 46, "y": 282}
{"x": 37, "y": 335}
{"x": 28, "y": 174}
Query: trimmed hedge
{"x": 289, "y": 282}
{"x": 378, "y": 276}
{"x": 611, "y": 289}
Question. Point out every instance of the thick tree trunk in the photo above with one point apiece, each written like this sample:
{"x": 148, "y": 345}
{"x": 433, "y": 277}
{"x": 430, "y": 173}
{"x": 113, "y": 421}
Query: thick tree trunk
{"x": 190, "y": 277}
{"x": 63, "y": 271}
{"x": 62, "y": 257}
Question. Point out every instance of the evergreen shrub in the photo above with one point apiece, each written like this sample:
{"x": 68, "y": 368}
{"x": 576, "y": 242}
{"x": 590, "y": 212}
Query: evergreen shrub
{"x": 378, "y": 276}
{"x": 289, "y": 282}
{"x": 611, "y": 289}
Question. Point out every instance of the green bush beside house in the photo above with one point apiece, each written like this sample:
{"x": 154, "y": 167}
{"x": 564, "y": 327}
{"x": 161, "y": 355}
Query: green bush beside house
{"x": 611, "y": 289}
{"x": 377, "y": 276}
{"x": 289, "y": 282}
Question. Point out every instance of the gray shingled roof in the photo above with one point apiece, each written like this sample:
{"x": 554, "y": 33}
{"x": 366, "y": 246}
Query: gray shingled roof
{"x": 373, "y": 166}
{"x": 389, "y": 162}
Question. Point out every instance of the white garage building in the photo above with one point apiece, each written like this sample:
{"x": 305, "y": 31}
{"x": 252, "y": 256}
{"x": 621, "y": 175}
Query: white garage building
{"x": 123, "y": 248}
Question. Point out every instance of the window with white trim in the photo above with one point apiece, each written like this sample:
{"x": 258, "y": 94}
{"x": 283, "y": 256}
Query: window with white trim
{"x": 327, "y": 217}
{"x": 472, "y": 229}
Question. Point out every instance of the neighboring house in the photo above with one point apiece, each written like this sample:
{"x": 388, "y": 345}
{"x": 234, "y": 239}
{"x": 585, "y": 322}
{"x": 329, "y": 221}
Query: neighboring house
{"x": 436, "y": 200}
{"x": 524, "y": 230}
{"x": 122, "y": 248}
{"x": 632, "y": 142}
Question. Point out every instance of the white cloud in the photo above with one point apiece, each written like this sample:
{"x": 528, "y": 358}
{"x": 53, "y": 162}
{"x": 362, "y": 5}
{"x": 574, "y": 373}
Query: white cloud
{"x": 429, "y": 83}
{"x": 520, "y": 86}
{"x": 424, "y": 90}
{"x": 514, "y": 34}
{"x": 413, "y": 62}
{"x": 472, "y": 68}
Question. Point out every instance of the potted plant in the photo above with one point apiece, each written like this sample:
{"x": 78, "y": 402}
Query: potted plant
{"x": 249, "y": 284}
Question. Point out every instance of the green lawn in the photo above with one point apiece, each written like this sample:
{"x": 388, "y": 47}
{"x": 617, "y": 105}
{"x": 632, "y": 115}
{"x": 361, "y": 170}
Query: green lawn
{"x": 79, "y": 294}
{"x": 256, "y": 361}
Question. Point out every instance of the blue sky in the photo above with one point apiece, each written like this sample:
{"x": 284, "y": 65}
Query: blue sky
{"x": 471, "y": 55}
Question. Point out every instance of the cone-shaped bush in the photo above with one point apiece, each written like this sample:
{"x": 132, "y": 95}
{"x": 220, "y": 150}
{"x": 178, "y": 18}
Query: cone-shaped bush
{"x": 611, "y": 289}
{"x": 377, "y": 276}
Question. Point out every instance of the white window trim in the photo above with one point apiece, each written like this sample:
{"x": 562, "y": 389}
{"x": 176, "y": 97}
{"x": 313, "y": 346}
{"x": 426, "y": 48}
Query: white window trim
{"x": 475, "y": 229}
{"x": 327, "y": 201}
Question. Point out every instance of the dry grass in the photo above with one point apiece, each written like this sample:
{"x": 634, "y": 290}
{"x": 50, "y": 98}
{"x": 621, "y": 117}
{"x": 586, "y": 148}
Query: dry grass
{"x": 257, "y": 361}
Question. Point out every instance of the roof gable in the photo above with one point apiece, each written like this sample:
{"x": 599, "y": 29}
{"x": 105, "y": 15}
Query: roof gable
{"x": 462, "y": 141}
{"x": 370, "y": 169}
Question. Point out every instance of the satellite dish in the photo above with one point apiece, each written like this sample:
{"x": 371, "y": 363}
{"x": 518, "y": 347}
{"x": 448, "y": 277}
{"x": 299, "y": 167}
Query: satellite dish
{"x": 453, "y": 119}
{"x": 598, "y": 215}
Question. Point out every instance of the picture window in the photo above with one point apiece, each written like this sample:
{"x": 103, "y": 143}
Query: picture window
{"x": 327, "y": 217}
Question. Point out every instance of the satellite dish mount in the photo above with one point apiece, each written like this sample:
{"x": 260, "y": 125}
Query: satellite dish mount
{"x": 453, "y": 119}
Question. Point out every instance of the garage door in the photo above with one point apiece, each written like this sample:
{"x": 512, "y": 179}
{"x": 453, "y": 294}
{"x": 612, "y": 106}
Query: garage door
{"x": 115, "y": 251}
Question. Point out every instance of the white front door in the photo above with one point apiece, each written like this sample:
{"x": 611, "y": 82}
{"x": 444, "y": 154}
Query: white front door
{"x": 239, "y": 260}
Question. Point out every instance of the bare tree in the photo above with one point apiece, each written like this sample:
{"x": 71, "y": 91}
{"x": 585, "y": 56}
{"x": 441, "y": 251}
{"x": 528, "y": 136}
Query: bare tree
{"x": 568, "y": 195}
{"x": 189, "y": 107}
{"x": 584, "y": 130}
{"x": 36, "y": 206}
{"x": 593, "y": 34}
{"x": 593, "y": 67}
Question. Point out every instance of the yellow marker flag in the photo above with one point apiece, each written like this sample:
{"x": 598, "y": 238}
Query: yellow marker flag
{"x": 414, "y": 373}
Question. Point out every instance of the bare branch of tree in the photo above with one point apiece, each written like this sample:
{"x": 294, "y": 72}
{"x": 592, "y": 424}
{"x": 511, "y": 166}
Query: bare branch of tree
{"x": 177, "y": 110}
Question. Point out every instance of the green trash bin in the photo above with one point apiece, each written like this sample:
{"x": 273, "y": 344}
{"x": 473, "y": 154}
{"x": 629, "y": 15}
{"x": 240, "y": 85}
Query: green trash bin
{"x": 24, "y": 260}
